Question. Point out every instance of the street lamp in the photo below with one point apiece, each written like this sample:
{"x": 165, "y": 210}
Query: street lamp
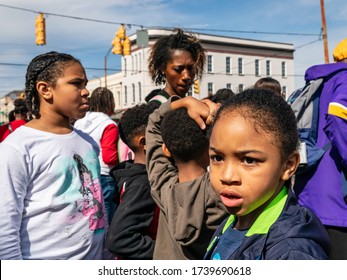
{"x": 98, "y": 79}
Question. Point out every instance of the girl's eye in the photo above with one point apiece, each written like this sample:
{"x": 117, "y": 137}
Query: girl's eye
{"x": 249, "y": 160}
{"x": 216, "y": 158}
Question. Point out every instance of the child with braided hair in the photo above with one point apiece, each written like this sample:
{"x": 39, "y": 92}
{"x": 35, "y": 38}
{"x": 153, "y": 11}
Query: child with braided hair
{"x": 41, "y": 174}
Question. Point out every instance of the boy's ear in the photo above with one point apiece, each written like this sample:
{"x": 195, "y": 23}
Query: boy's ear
{"x": 142, "y": 142}
{"x": 166, "y": 151}
{"x": 44, "y": 90}
{"x": 290, "y": 166}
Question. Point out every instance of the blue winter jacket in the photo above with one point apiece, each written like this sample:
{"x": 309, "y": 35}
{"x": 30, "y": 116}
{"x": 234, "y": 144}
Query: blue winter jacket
{"x": 283, "y": 231}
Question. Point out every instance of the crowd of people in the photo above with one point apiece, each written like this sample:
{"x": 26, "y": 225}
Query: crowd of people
{"x": 211, "y": 178}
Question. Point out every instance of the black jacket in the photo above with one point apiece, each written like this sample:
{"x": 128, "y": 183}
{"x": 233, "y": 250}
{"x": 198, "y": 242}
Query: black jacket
{"x": 131, "y": 234}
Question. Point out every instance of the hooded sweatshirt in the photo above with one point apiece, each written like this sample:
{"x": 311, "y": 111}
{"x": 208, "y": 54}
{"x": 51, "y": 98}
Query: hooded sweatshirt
{"x": 323, "y": 189}
{"x": 105, "y": 132}
{"x": 133, "y": 229}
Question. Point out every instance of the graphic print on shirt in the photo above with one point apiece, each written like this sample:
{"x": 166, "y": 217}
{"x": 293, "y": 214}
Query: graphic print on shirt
{"x": 90, "y": 204}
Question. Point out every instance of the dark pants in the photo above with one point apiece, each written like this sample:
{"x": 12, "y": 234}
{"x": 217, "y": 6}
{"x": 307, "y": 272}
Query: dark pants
{"x": 338, "y": 237}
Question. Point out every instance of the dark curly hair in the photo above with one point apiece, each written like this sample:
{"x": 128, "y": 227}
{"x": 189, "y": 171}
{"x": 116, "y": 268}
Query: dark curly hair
{"x": 20, "y": 107}
{"x": 133, "y": 123}
{"x": 269, "y": 112}
{"x": 47, "y": 67}
{"x": 182, "y": 136}
{"x": 161, "y": 53}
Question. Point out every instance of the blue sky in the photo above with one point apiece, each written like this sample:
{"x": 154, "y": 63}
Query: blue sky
{"x": 89, "y": 41}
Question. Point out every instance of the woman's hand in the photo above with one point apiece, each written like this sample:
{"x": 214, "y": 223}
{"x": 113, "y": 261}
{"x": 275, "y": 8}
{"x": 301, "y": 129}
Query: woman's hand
{"x": 201, "y": 112}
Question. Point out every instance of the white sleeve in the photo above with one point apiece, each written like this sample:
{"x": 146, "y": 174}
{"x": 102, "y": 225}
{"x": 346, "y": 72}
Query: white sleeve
{"x": 13, "y": 188}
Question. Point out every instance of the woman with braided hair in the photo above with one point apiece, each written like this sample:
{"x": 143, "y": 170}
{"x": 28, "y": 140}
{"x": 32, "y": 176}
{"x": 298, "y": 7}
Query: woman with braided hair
{"x": 40, "y": 179}
{"x": 175, "y": 60}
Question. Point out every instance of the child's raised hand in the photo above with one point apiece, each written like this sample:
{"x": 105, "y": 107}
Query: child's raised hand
{"x": 197, "y": 110}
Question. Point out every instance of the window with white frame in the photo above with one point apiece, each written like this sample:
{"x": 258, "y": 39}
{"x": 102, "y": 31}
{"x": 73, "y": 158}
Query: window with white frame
{"x": 132, "y": 71}
{"x": 284, "y": 69}
{"x": 241, "y": 87}
{"x": 257, "y": 67}
{"x": 140, "y": 93}
{"x": 284, "y": 90}
{"x": 134, "y": 97}
{"x": 210, "y": 89}
{"x": 268, "y": 68}
{"x": 229, "y": 86}
{"x": 136, "y": 64}
{"x": 125, "y": 66}
{"x": 209, "y": 64}
{"x": 140, "y": 65}
{"x": 241, "y": 66}
{"x": 125, "y": 95}
{"x": 228, "y": 65}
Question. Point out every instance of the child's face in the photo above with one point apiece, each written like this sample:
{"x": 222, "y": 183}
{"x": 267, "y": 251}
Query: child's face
{"x": 179, "y": 73}
{"x": 70, "y": 93}
{"x": 245, "y": 166}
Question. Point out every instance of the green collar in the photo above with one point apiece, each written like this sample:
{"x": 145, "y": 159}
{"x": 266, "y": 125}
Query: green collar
{"x": 267, "y": 218}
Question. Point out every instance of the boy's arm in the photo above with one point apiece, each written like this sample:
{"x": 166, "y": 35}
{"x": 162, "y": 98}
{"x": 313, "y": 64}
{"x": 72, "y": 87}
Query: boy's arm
{"x": 162, "y": 173}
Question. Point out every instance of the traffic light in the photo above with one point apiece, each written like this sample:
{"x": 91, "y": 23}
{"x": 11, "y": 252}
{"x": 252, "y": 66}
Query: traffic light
{"x": 126, "y": 46}
{"x": 121, "y": 43}
{"x": 117, "y": 46}
{"x": 40, "y": 30}
{"x": 196, "y": 87}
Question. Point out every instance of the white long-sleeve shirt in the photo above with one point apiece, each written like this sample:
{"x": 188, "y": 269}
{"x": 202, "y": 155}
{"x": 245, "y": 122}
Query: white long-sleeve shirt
{"x": 51, "y": 207}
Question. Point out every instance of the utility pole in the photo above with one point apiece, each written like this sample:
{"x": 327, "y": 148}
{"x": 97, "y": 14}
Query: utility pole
{"x": 105, "y": 65}
{"x": 325, "y": 36}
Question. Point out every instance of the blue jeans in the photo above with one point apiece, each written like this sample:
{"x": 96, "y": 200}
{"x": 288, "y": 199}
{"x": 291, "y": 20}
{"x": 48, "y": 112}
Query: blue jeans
{"x": 109, "y": 191}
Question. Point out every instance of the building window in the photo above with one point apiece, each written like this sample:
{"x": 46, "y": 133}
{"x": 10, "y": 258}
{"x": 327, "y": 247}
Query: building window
{"x": 136, "y": 64}
{"x": 134, "y": 97}
{"x": 140, "y": 92}
{"x": 257, "y": 67}
{"x": 210, "y": 89}
{"x": 229, "y": 86}
{"x": 268, "y": 68}
{"x": 284, "y": 69}
{"x": 209, "y": 64}
{"x": 132, "y": 65}
{"x": 140, "y": 65}
{"x": 241, "y": 66}
{"x": 241, "y": 87}
{"x": 284, "y": 90}
{"x": 228, "y": 65}
{"x": 125, "y": 95}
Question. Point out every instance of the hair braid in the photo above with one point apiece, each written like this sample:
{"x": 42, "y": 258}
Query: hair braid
{"x": 47, "y": 67}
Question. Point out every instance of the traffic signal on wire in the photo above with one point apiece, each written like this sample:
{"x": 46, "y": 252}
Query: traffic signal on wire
{"x": 40, "y": 30}
{"x": 196, "y": 86}
{"x": 121, "y": 43}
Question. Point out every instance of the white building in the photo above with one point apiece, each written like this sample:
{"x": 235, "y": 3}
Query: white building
{"x": 231, "y": 63}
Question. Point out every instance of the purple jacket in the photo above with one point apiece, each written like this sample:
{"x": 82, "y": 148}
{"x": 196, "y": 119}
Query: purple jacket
{"x": 321, "y": 190}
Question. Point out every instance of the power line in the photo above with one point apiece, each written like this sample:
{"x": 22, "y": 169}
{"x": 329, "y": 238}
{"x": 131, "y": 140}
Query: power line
{"x": 161, "y": 27}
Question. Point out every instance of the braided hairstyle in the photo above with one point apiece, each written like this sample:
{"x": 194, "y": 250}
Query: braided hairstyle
{"x": 162, "y": 50}
{"x": 47, "y": 67}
